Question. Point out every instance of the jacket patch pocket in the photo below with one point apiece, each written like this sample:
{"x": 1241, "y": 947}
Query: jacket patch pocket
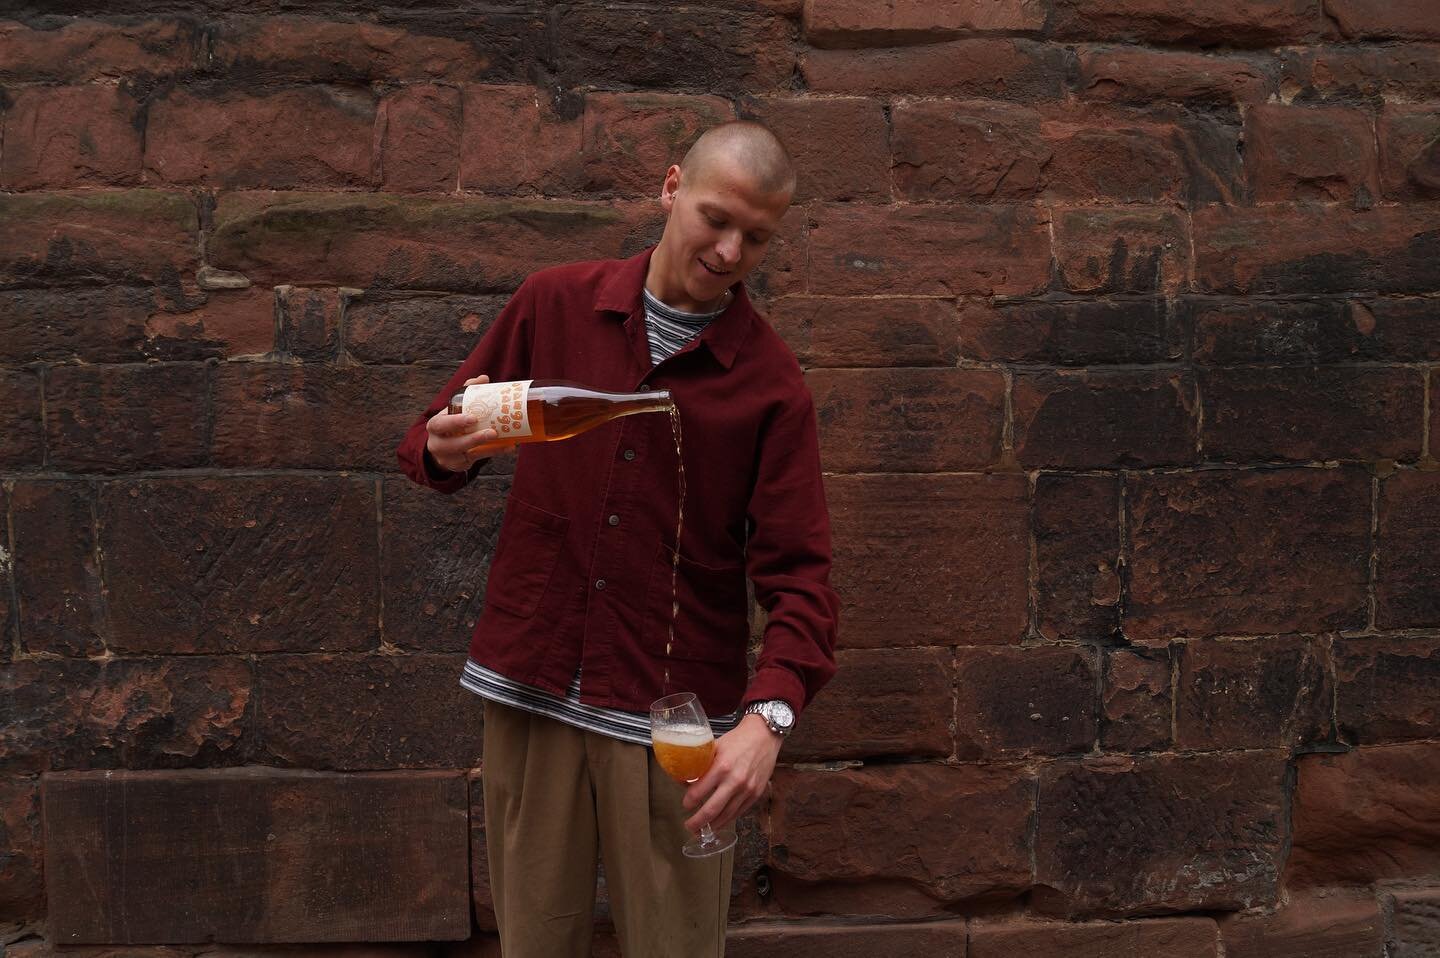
{"x": 712, "y": 623}
{"x": 525, "y": 559}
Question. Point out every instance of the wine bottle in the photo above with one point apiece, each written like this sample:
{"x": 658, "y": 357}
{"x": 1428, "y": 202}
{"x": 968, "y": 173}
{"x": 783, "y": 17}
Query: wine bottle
{"x": 545, "y": 410}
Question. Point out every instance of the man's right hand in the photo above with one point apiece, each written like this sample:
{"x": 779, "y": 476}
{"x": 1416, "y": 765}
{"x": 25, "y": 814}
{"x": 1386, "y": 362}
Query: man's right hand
{"x": 450, "y": 438}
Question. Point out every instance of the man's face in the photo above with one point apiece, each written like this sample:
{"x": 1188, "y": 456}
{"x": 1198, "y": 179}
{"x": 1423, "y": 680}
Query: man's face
{"x": 719, "y": 227}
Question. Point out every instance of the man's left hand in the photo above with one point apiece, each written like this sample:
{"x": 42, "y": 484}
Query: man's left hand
{"x": 744, "y": 758}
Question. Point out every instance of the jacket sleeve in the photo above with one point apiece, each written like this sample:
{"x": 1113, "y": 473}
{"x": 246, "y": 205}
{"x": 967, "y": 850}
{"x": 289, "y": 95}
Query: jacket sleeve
{"x": 503, "y": 354}
{"x": 788, "y": 561}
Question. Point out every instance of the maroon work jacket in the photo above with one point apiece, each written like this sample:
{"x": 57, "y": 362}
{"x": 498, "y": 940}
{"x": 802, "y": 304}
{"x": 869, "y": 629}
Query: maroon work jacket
{"x": 581, "y": 575}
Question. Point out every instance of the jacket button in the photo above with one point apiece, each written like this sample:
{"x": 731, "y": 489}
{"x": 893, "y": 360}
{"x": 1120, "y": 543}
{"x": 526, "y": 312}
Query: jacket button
{"x": 629, "y": 454}
{"x": 599, "y": 583}
{"x": 614, "y": 520}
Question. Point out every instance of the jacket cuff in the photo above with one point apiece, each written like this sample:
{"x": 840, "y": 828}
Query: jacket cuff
{"x": 441, "y": 478}
{"x": 775, "y": 683}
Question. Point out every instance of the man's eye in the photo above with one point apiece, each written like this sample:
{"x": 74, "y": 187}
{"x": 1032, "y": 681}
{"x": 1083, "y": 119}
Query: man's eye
{"x": 714, "y": 222}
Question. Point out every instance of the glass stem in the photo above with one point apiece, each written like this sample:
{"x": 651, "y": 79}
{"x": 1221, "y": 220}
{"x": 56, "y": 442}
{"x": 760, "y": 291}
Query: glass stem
{"x": 707, "y": 837}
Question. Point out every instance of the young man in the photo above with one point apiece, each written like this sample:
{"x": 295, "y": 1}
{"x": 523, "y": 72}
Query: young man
{"x": 574, "y": 641}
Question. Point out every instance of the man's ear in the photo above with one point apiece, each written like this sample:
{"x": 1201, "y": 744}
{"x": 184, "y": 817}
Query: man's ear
{"x": 668, "y": 188}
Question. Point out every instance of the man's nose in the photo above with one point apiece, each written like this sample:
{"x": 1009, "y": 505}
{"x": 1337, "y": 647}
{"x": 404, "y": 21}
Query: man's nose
{"x": 728, "y": 248}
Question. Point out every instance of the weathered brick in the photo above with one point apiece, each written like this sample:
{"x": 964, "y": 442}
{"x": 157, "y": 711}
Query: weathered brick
{"x": 57, "y": 575}
{"x": 400, "y": 328}
{"x": 1095, "y": 418}
{"x": 9, "y": 614}
{"x": 845, "y": 940}
{"x": 1311, "y": 153}
{"x": 1145, "y": 76}
{"x": 120, "y": 324}
{"x": 86, "y": 49}
{"x": 135, "y": 236}
{"x": 376, "y": 857}
{"x": 1071, "y": 333}
{"x": 1313, "y": 332}
{"x": 1252, "y": 693}
{"x": 1335, "y": 924}
{"x": 1226, "y": 553}
{"x": 293, "y": 415}
{"x": 459, "y": 245}
{"x": 705, "y": 48}
{"x": 824, "y": 331}
{"x": 968, "y": 150}
{"x": 629, "y": 140}
{"x": 881, "y": 702}
{"x": 1385, "y": 688}
{"x": 360, "y": 712}
{"x": 303, "y": 137}
{"x": 1373, "y": 19}
{"x": 469, "y": 45}
{"x": 1136, "y": 701}
{"x": 418, "y": 134}
{"x": 520, "y": 139}
{"x": 1244, "y": 23}
{"x": 1319, "y": 413}
{"x": 818, "y": 131}
{"x": 855, "y": 23}
{"x": 1076, "y": 528}
{"x": 786, "y": 267}
{"x": 928, "y": 250}
{"x": 899, "y": 840}
{"x": 1415, "y": 916}
{"x": 1407, "y": 577}
{"x": 1391, "y": 70}
{"x": 1209, "y": 147}
{"x": 1124, "y": 836}
{"x": 930, "y": 560}
{"x": 179, "y": 711}
{"x": 309, "y": 322}
{"x": 1024, "y": 701}
{"x": 1312, "y": 249}
{"x": 1170, "y": 937}
{"x": 1366, "y": 815}
{"x": 58, "y": 137}
{"x": 434, "y": 560}
{"x": 1116, "y": 158}
{"x": 1120, "y": 250}
{"x": 255, "y": 564}
{"x": 1410, "y": 152}
{"x": 120, "y": 418}
{"x": 908, "y": 420}
{"x": 22, "y": 885}
{"x": 22, "y": 427}
{"x": 981, "y": 67}
{"x": 482, "y": 901}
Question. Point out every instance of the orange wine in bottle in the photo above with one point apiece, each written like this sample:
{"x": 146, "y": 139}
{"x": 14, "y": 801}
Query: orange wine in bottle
{"x": 544, "y": 410}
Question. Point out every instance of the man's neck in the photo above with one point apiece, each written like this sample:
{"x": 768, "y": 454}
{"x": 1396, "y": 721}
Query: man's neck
{"x": 674, "y": 295}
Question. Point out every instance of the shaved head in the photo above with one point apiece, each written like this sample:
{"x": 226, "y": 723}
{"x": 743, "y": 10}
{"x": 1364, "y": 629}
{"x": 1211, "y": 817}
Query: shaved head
{"x": 752, "y": 147}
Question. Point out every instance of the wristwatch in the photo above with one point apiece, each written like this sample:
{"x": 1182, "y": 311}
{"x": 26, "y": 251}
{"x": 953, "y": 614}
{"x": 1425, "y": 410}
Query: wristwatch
{"x": 777, "y": 714}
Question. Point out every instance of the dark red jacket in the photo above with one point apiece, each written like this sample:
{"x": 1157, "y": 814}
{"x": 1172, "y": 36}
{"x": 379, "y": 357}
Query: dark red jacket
{"x": 582, "y": 572}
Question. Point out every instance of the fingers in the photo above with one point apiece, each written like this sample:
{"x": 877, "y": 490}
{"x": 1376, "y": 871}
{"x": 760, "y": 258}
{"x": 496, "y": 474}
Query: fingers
{"x": 730, "y": 799}
{"x": 477, "y": 380}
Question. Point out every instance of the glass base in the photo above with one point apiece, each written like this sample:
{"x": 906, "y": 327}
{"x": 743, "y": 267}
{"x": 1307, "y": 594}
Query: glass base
{"x": 721, "y": 841}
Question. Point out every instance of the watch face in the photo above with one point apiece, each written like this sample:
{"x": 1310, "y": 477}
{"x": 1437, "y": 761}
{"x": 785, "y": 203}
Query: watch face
{"x": 782, "y": 714}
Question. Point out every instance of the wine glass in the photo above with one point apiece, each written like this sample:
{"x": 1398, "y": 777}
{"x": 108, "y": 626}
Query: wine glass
{"x": 685, "y": 747}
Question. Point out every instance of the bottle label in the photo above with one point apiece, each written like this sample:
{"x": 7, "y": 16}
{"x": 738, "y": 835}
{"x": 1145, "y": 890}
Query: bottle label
{"x": 500, "y": 406}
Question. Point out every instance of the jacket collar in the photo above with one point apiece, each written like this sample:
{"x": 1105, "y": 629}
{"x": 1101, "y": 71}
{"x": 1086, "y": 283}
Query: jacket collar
{"x": 621, "y": 295}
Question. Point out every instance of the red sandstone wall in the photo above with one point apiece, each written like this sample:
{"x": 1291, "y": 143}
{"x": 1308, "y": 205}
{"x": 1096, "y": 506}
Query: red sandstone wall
{"x": 1122, "y": 320}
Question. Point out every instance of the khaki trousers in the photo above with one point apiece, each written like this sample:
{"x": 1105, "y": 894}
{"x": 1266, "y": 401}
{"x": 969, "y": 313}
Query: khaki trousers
{"x": 557, "y": 799}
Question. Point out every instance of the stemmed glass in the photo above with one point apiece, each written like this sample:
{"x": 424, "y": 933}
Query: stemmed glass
{"x": 685, "y": 747}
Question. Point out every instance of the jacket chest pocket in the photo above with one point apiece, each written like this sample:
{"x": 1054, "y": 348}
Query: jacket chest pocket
{"x": 712, "y": 621}
{"x": 525, "y": 559}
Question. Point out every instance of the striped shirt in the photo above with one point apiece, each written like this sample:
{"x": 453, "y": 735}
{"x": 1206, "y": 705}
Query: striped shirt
{"x": 669, "y": 330}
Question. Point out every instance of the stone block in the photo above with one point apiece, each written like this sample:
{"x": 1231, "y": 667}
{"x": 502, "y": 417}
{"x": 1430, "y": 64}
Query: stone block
{"x": 1071, "y": 333}
{"x": 823, "y": 331}
{"x": 1121, "y": 250}
{"x": 61, "y": 607}
{"x": 854, "y": 23}
{"x": 22, "y": 884}
{"x": 1012, "y": 702}
{"x": 358, "y": 712}
{"x": 244, "y": 563}
{"x": 818, "y": 131}
{"x": 1385, "y": 688}
{"x": 282, "y": 857}
{"x": 629, "y": 140}
{"x": 418, "y": 132}
{"x": 1146, "y": 76}
{"x": 1383, "y": 19}
{"x": 1409, "y": 152}
{"x": 1254, "y": 553}
{"x": 1326, "y": 154}
{"x": 1089, "y": 419}
{"x": 1327, "y": 924}
{"x": 928, "y": 250}
{"x": 1075, "y": 523}
{"x": 1137, "y": 703}
{"x": 403, "y": 328}
{"x": 908, "y": 420}
{"x": 1415, "y": 916}
{"x": 309, "y": 323}
{"x": 979, "y": 150}
{"x": 77, "y": 50}
{"x": 58, "y": 137}
{"x": 930, "y": 560}
{"x": 813, "y": 939}
{"x": 1390, "y": 70}
{"x": 520, "y": 139}
{"x": 1245, "y": 23}
{"x": 1371, "y": 814}
{"x": 1121, "y": 836}
{"x": 22, "y": 421}
{"x": 899, "y": 840}
{"x": 124, "y": 418}
{"x": 1167, "y": 937}
{"x": 1252, "y": 693}
{"x": 1313, "y": 331}
{"x": 881, "y": 702}
{"x": 998, "y": 67}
